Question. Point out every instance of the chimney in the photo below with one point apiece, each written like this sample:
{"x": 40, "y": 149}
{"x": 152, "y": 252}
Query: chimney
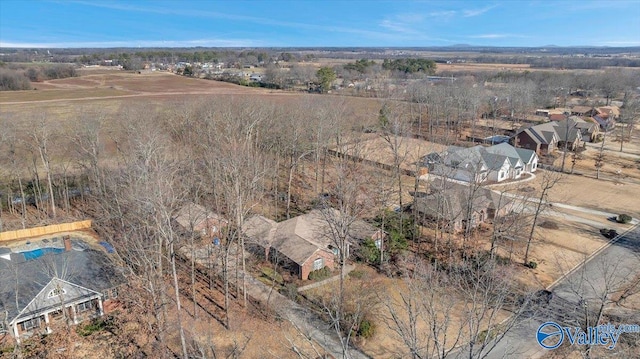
{"x": 67, "y": 243}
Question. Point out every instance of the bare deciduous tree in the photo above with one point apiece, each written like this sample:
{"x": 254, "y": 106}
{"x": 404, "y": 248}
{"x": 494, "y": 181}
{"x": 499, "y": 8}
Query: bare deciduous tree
{"x": 548, "y": 180}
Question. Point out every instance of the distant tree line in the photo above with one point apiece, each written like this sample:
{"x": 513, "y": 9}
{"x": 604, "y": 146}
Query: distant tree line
{"x": 410, "y": 66}
{"x": 19, "y": 77}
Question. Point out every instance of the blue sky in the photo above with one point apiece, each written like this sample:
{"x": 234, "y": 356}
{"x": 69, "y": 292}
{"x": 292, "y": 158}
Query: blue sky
{"x": 96, "y": 23}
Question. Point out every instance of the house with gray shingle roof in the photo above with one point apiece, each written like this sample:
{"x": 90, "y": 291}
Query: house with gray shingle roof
{"x": 455, "y": 207}
{"x": 54, "y": 281}
{"x": 480, "y": 164}
{"x": 547, "y": 137}
{"x": 303, "y": 243}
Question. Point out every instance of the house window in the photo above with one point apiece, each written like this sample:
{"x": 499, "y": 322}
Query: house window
{"x": 500, "y": 175}
{"x": 533, "y": 166}
{"x": 318, "y": 264}
{"x": 30, "y": 324}
{"x": 84, "y": 306}
{"x": 56, "y": 292}
{"x": 110, "y": 294}
{"x": 335, "y": 251}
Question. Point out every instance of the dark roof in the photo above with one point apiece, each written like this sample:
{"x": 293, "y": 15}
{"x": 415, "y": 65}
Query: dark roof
{"x": 22, "y": 280}
{"x": 451, "y": 202}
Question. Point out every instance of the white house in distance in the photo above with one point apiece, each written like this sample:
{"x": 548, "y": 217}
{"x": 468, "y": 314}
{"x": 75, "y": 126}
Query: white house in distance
{"x": 481, "y": 164}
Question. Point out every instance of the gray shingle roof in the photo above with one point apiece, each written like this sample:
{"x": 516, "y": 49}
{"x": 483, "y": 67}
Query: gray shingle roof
{"x": 299, "y": 237}
{"x": 451, "y": 202}
{"x": 507, "y": 150}
{"x": 22, "y": 280}
{"x": 525, "y": 155}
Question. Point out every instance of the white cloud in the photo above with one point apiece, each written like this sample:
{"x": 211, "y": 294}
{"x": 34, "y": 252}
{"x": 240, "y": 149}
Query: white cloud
{"x": 397, "y": 27}
{"x": 476, "y": 12}
{"x": 443, "y": 13}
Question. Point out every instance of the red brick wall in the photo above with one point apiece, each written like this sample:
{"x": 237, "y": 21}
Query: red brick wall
{"x": 308, "y": 265}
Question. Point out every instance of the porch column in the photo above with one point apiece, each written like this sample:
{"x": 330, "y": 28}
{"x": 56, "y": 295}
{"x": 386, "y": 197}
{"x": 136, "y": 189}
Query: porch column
{"x": 73, "y": 313}
{"x": 100, "y": 306}
{"x": 16, "y": 334}
{"x": 46, "y": 323}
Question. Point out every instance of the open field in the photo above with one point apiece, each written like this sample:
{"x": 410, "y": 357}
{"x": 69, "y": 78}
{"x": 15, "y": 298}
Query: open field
{"x": 114, "y": 94}
{"x": 596, "y": 194}
{"x": 482, "y": 67}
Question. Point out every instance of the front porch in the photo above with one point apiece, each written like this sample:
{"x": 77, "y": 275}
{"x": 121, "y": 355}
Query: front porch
{"x": 69, "y": 314}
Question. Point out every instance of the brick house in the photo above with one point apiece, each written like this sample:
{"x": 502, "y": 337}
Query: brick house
{"x": 455, "y": 207}
{"x": 304, "y": 243}
{"x": 547, "y": 137}
{"x": 194, "y": 218}
{"x": 542, "y": 140}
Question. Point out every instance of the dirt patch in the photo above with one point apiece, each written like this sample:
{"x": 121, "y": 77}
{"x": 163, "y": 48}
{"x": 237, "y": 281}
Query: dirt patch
{"x": 394, "y": 149}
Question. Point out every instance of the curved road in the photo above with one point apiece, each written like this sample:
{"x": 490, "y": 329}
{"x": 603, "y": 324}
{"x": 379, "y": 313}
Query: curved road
{"x": 618, "y": 263}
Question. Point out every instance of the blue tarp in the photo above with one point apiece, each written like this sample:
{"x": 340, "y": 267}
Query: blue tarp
{"x": 108, "y": 247}
{"x": 37, "y": 253}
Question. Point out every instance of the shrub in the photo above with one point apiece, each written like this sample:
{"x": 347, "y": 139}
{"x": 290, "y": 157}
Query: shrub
{"x": 95, "y": 326}
{"x": 623, "y": 218}
{"x": 369, "y": 252}
{"x": 320, "y": 274}
{"x": 549, "y": 225}
{"x": 609, "y": 233}
{"x": 366, "y": 329}
{"x": 532, "y": 264}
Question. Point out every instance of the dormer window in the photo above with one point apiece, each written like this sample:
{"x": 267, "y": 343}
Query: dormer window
{"x": 55, "y": 292}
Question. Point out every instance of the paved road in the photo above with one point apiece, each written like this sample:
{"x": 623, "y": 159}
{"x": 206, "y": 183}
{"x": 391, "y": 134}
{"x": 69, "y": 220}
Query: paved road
{"x": 619, "y": 263}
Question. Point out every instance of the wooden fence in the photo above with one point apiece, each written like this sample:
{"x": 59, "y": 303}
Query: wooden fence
{"x": 45, "y": 230}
